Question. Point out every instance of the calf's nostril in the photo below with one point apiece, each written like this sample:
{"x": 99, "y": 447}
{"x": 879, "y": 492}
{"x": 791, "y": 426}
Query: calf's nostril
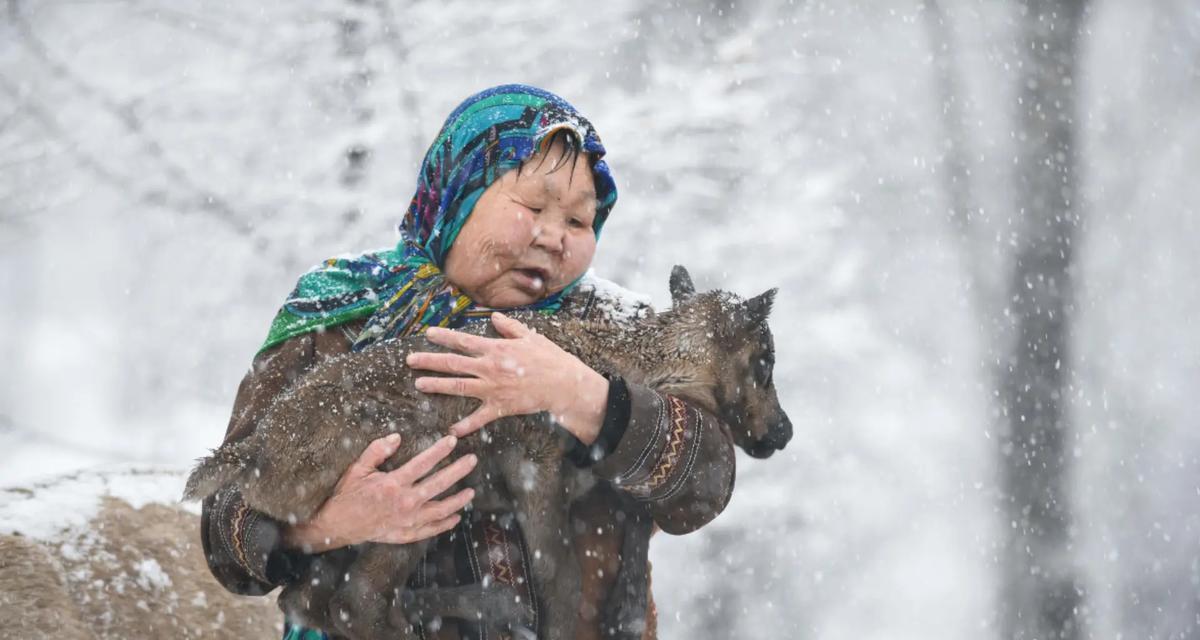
{"x": 780, "y": 434}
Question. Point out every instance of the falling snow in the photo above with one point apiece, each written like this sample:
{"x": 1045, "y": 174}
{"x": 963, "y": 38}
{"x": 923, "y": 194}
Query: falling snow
{"x": 167, "y": 169}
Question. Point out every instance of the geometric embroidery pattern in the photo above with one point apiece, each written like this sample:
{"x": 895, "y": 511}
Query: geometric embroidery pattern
{"x": 674, "y": 450}
{"x": 497, "y": 552}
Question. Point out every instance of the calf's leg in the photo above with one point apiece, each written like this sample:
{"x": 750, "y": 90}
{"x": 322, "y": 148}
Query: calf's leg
{"x": 307, "y": 601}
{"x": 362, "y": 606}
{"x": 496, "y": 606}
{"x": 624, "y": 615}
{"x": 542, "y": 510}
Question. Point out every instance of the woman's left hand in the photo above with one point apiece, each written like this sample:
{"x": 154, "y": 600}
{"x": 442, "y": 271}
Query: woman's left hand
{"x": 523, "y": 372}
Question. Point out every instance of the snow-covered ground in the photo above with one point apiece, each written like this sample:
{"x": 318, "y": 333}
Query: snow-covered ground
{"x": 112, "y": 553}
{"x": 64, "y": 504}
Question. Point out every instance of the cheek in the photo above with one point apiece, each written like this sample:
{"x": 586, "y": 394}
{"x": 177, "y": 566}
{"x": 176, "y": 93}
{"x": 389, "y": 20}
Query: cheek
{"x": 486, "y": 247}
{"x": 579, "y": 253}
{"x": 515, "y": 234}
{"x": 506, "y": 240}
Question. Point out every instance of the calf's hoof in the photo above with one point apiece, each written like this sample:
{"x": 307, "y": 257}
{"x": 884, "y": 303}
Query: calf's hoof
{"x": 623, "y": 620}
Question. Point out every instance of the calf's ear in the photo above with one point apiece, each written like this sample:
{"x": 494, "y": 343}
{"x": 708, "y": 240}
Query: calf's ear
{"x": 681, "y": 285}
{"x": 759, "y": 307}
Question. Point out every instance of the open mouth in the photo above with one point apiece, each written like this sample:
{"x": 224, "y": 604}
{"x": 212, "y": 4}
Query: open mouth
{"x": 532, "y": 278}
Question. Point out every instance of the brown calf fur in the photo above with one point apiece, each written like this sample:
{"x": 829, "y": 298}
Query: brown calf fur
{"x": 712, "y": 348}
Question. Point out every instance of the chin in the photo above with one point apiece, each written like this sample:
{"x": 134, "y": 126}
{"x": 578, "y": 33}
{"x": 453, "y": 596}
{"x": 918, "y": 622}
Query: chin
{"x": 510, "y": 295}
{"x": 509, "y": 300}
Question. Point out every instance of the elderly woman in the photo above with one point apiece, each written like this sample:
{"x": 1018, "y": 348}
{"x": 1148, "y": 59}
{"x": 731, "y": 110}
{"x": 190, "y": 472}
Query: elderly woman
{"x": 510, "y": 202}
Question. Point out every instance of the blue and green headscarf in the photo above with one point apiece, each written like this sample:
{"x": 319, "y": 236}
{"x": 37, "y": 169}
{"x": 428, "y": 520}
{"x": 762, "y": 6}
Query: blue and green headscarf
{"x": 402, "y": 290}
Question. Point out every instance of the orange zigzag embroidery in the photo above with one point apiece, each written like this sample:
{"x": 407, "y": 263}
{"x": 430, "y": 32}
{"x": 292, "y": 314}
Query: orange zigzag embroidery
{"x": 675, "y": 444}
{"x": 497, "y": 552}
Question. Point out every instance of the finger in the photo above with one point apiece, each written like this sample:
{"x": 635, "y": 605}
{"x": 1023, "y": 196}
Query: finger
{"x": 420, "y": 464}
{"x": 509, "y": 327}
{"x": 379, "y": 450}
{"x": 480, "y": 418}
{"x": 457, "y": 340}
{"x": 445, "y": 478}
{"x": 439, "y": 509}
{"x": 444, "y": 363}
{"x": 472, "y": 387}
{"x": 435, "y": 528}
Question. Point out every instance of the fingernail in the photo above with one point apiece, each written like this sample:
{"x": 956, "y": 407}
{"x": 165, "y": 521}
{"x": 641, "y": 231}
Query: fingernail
{"x": 393, "y": 437}
{"x": 472, "y": 459}
{"x": 450, "y": 440}
{"x": 410, "y": 358}
{"x": 419, "y": 383}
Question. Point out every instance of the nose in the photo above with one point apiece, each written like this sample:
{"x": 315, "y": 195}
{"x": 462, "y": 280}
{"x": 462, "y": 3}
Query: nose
{"x": 780, "y": 433}
{"x": 549, "y": 236}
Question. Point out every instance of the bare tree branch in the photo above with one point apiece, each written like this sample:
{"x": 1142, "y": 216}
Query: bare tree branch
{"x": 202, "y": 198}
{"x": 193, "y": 24}
{"x": 156, "y": 197}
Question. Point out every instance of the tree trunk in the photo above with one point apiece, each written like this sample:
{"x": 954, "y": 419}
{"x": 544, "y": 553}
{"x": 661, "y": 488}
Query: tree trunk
{"x": 1042, "y": 595}
{"x": 355, "y": 36}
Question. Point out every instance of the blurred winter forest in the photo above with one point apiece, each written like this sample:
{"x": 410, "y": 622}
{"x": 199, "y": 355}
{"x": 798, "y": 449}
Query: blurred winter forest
{"x": 979, "y": 214}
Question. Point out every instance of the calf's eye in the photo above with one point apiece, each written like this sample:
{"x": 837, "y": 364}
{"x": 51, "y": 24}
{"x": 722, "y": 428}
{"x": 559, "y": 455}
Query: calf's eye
{"x": 762, "y": 371}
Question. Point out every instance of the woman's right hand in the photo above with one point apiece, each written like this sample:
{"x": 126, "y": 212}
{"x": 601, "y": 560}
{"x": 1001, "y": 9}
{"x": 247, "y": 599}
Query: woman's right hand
{"x": 394, "y": 507}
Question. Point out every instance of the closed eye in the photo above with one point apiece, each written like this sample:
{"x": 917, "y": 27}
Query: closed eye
{"x": 521, "y": 202}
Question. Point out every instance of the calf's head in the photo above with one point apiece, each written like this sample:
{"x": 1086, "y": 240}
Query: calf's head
{"x": 724, "y": 357}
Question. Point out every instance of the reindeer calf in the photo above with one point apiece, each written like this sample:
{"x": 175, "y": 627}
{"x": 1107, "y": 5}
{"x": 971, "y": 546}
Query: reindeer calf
{"x": 712, "y": 348}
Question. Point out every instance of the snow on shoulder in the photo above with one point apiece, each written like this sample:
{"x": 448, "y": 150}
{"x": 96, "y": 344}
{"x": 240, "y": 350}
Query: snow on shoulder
{"x": 618, "y": 302}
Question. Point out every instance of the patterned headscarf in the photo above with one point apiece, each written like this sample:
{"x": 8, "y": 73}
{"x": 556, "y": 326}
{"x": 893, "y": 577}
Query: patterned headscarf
{"x": 402, "y": 290}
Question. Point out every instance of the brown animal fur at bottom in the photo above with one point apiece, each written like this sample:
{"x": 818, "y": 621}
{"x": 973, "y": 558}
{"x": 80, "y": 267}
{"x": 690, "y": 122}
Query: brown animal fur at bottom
{"x": 713, "y": 349}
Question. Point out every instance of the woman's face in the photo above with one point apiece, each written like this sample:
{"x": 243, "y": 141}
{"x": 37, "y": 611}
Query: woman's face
{"x": 530, "y": 235}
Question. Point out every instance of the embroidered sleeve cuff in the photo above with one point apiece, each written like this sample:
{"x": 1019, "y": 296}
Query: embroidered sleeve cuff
{"x": 658, "y": 450}
{"x": 250, "y": 538}
{"x": 616, "y": 421}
